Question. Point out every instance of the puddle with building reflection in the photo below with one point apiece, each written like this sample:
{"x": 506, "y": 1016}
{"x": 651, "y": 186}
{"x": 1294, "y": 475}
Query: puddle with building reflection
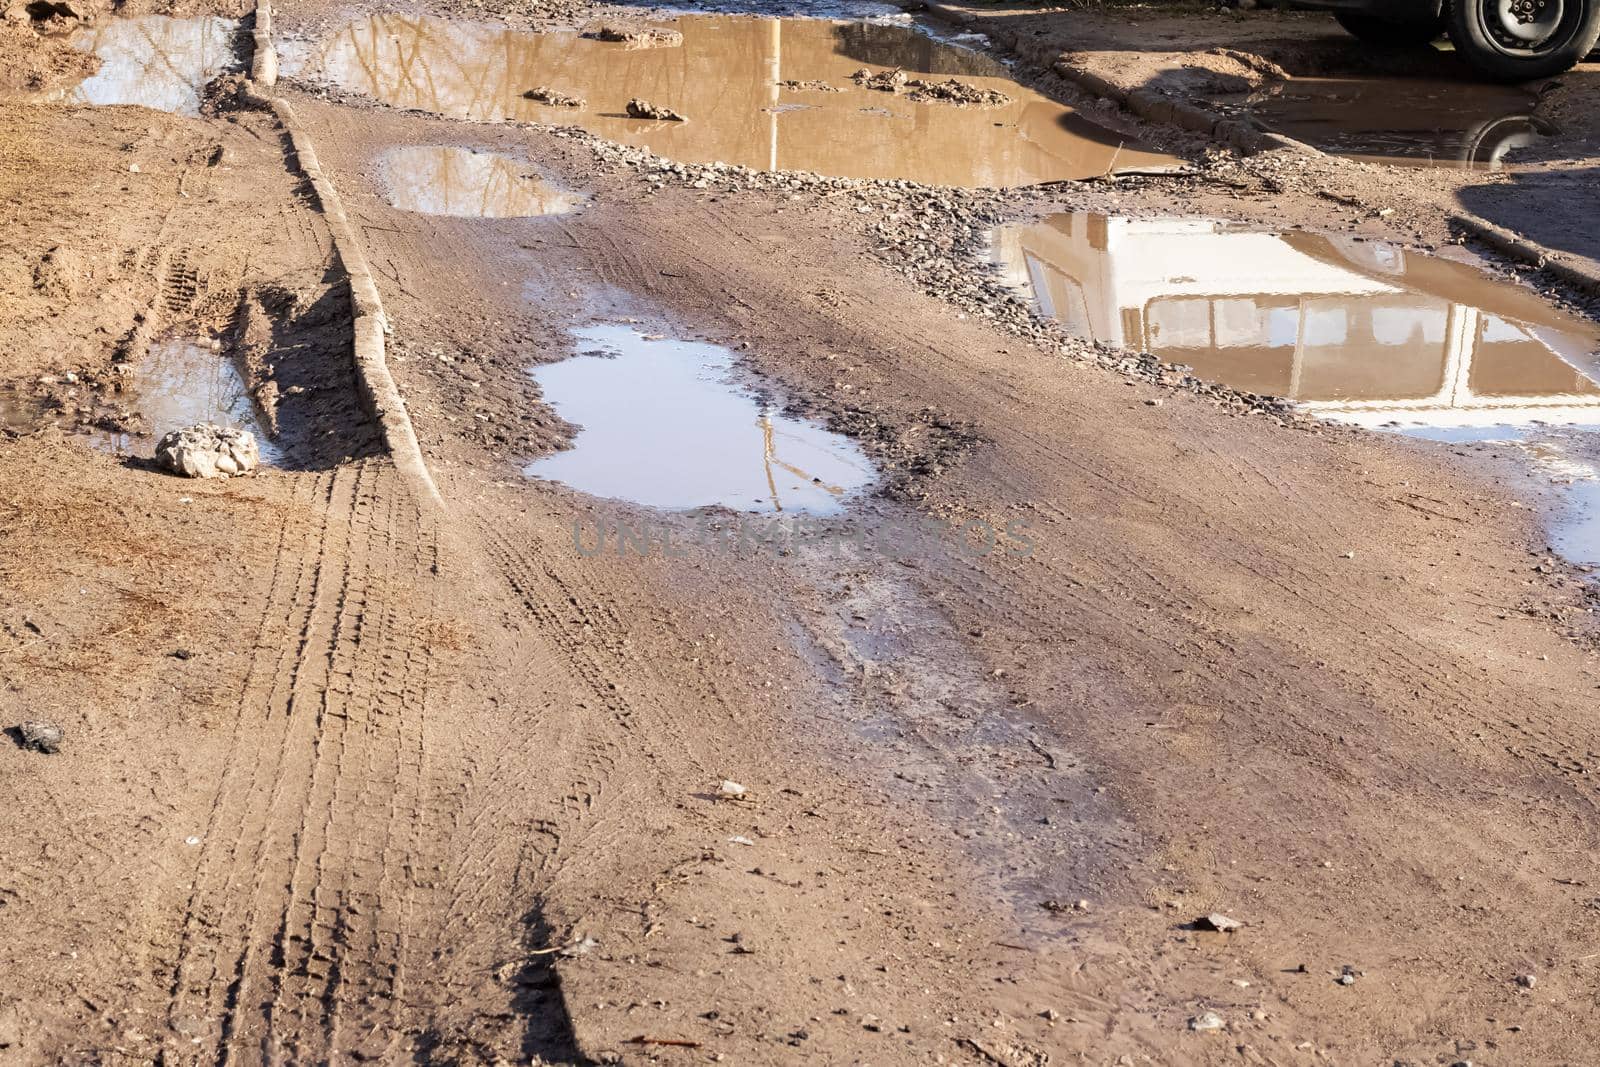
{"x": 440, "y": 180}
{"x": 1356, "y": 331}
{"x": 154, "y": 61}
{"x": 665, "y": 423}
{"x": 1398, "y": 120}
{"x": 181, "y": 383}
{"x": 736, "y": 80}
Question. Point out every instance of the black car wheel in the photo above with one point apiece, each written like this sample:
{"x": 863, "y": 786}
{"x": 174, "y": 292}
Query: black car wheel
{"x": 1520, "y": 40}
{"x": 1395, "y": 34}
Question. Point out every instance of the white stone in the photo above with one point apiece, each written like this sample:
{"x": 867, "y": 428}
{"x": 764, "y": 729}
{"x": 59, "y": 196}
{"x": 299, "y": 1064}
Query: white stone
{"x": 208, "y": 451}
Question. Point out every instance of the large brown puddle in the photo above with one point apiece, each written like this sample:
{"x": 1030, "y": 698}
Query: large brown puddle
{"x": 1356, "y": 331}
{"x": 438, "y": 180}
{"x": 154, "y": 61}
{"x": 734, "y": 79}
{"x": 1398, "y": 120}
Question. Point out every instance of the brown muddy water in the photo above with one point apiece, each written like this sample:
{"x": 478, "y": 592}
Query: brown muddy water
{"x": 664, "y": 423}
{"x": 441, "y": 180}
{"x": 735, "y": 80}
{"x": 1356, "y": 331}
{"x": 1398, "y": 120}
{"x": 153, "y": 61}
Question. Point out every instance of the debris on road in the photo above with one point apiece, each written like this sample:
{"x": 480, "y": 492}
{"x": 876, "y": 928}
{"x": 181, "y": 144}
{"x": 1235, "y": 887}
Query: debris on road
{"x": 208, "y": 451}
{"x": 949, "y": 91}
{"x": 644, "y": 109}
{"x": 813, "y": 85}
{"x": 42, "y": 737}
{"x": 543, "y": 94}
{"x": 635, "y": 36}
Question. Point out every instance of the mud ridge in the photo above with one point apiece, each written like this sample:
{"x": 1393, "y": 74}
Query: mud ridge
{"x": 379, "y": 393}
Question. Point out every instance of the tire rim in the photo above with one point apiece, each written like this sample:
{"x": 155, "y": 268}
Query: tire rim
{"x": 1527, "y": 27}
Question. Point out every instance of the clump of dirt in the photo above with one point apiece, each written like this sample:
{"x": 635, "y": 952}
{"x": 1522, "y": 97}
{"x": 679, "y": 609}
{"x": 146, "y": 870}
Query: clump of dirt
{"x": 543, "y": 94}
{"x": 813, "y": 85}
{"x": 251, "y": 341}
{"x": 32, "y": 63}
{"x": 644, "y": 109}
{"x": 86, "y": 400}
{"x": 634, "y": 36}
{"x": 230, "y": 92}
{"x": 949, "y": 91}
{"x": 885, "y": 81}
{"x": 57, "y": 274}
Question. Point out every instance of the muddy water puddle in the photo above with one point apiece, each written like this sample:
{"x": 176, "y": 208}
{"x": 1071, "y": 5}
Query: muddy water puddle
{"x": 1398, "y": 120}
{"x": 772, "y": 94}
{"x": 154, "y": 61}
{"x": 664, "y": 423}
{"x": 442, "y": 180}
{"x": 180, "y": 383}
{"x": 1356, "y": 331}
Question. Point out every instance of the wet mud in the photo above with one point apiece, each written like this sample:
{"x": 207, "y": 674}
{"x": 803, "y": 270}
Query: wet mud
{"x": 732, "y": 78}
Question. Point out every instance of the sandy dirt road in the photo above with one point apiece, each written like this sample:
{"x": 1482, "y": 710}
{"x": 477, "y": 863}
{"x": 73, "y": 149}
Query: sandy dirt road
{"x": 350, "y": 780}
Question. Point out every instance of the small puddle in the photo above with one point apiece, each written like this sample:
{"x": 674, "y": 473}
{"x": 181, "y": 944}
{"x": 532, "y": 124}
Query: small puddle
{"x": 736, "y": 80}
{"x": 181, "y": 383}
{"x": 663, "y": 423}
{"x": 1356, "y": 331}
{"x": 153, "y": 61}
{"x": 439, "y": 180}
{"x": 1398, "y": 120}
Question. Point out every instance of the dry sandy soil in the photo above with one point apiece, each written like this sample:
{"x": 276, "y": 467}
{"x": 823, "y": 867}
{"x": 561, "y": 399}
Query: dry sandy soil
{"x": 351, "y": 778}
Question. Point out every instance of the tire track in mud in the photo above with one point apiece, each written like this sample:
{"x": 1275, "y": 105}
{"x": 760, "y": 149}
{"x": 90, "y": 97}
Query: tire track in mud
{"x": 292, "y": 945}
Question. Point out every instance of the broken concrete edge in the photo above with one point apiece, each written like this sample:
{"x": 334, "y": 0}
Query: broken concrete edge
{"x": 264, "y": 60}
{"x": 379, "y": 393}
{"x": 1578, "y": 273}
{"x": 1145, "y": 103}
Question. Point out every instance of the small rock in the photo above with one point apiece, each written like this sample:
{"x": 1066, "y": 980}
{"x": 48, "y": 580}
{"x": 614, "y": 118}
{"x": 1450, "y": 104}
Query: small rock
{"x": 207, "y": 451}
{"x": 1208, "y": 1020}
{"x": 41, "y": 737}
{"x": 1219, "y": 922}
{"x": 644, "y": 109}
{"x": 543, "y": 94}
{"x": 1526, "y": 981}
{"x": 730, "y": 790}
{"x": 1050, "y": 1015}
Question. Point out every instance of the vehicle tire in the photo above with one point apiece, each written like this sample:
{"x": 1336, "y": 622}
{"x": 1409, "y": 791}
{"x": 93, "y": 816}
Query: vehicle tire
{"x": 1520, "y": 40}
{"x": 1394, "y": 34}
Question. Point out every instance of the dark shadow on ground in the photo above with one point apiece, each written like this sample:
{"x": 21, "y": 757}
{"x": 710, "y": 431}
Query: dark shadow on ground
{"x": 1526, "y": 205}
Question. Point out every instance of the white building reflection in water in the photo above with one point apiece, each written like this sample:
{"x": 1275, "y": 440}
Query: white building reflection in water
{"x": 1358, "y": 331}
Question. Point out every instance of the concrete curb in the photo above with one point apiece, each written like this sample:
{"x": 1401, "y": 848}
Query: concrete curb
{"x": 379, "y": 393}
{"x": 1570, "y": 269}
{"x": 1145, "y": 103}
{"x": 264, "y": 60}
